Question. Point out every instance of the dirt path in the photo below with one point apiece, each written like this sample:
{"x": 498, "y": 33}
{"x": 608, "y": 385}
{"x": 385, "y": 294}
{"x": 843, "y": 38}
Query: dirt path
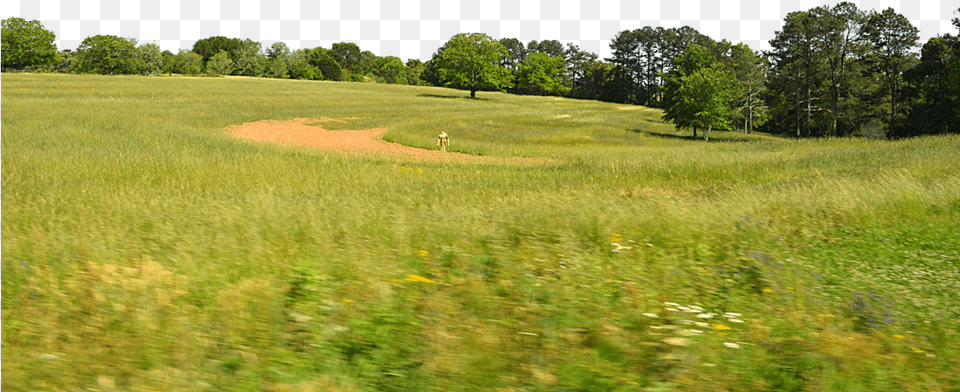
{"x": 296, "y": 132}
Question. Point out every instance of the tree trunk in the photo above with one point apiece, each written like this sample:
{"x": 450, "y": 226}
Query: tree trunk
{"x": 796, "y": 101}
{"x": 694, "y": 131}
{"x": 706, "y": 134}
{"x": 473, "y": 93}
{"x": 806, "y": 122}
{"x": 836, "y": 93}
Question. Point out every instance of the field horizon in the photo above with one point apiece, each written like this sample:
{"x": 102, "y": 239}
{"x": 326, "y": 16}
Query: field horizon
{"x": 145, "y": 248}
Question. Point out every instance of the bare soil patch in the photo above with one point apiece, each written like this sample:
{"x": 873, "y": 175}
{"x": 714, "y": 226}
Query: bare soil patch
{"x": 308, "y": 133}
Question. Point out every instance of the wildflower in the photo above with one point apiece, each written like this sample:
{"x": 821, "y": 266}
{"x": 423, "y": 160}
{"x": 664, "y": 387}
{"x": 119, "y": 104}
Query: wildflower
{"x": 691, "y": 332}
{"x": 732, "y": 345}
{"x": 735, "y": 320}
{"x": 767, "y": 290}
{"x": 898, "y": 336}
{"x": 677, "y": 341}
{"x": 703, "y": 325}
{"x": 917, "y": 350}
{"x": 417, "y": 278}
{"x": 671, "y": 304}
{"x": 424, "y": 253}
{"x": 720, "y": 326}
{"x": 705, "y": 315}
{"x": 731, "y": 314}
{"x": 651, "y": 315}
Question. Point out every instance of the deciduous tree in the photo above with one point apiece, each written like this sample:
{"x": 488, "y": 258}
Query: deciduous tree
{"x": 209, "y": 47}
{"x": 703, "y": 100}
{"x": 26, "y": 43}
{"x": 541, "y": 73}
{"x": 249, "y": 61}
{"x": 220, "y": 64}
{"x": 472, "y": 61}
{"x": 108, "y": 54}
{"x": 186, "y": 62}
{"x": 152, "y": 58}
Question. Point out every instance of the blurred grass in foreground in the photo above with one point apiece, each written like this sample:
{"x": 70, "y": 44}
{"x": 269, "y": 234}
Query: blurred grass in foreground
{"x": 145, "y": 249}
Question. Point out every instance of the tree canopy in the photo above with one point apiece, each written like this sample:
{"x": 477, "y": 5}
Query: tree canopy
{"x": 26, "y": 43}
{"x": 540, "y": 73}
{"x": 109, "y": 55}
{"x": 472, "y": 62}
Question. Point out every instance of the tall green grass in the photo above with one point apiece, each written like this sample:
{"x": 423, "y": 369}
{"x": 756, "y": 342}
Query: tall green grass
{"x": 143, "y": 248}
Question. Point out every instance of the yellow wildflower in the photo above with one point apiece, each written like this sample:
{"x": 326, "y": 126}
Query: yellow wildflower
{"x": 417, "y": 278}
{"x": 720, "y": 326}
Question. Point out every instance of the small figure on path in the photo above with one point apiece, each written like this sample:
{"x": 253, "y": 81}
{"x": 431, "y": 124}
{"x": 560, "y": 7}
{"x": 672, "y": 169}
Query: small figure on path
{"x": 443, "y": 140}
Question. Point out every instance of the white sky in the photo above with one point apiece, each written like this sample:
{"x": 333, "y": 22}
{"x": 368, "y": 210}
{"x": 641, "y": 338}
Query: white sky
{"x": 416, "y": 28}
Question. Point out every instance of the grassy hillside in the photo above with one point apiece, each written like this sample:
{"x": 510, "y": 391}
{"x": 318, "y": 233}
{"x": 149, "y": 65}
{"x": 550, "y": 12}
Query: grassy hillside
{"x": 143, "y": 248}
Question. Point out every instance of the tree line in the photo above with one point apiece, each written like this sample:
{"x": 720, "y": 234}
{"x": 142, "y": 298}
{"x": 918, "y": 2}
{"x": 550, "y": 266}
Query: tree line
{"x": 831, "y": 71}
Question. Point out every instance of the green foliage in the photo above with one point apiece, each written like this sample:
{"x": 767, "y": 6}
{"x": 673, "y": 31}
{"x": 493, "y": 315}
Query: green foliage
{"x": 26, "y": 44}
{"x": 515, "y": 53}
{"x": 414, "y": 69}
{"x": 278, "y": 50}
{"x": 108, "y": 55}
{"x": 220, "y": 64}
{"x": 153, "y": 59}
{"x": 472, "y": 61}
{"x": 704, "y": 100}
{"x": 209, "y": 47}
{"x": 323, "y": 61}
{"x": 893, "y": 38}
{"x": 392, "y": 70}
{"x": 934, "y": 96}
{"x": 301, "y": 68}
{"x": 679, "y": 97}
{"x": 540, "y": 73}
{"x": 249, "y": 61}
{"x": 348, "y": 56}
{"x": 185, "y": 62}
{"x": 750, "y": 71}
{"x": 277, "y": 68}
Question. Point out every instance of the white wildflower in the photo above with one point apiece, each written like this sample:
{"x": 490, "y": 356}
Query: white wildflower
{"x": 677, "y": 341}
{"x": 732, "y": 345}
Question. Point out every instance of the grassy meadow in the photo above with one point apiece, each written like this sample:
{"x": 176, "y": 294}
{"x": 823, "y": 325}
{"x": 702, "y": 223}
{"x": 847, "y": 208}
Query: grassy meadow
{"x": 145, "y": 249}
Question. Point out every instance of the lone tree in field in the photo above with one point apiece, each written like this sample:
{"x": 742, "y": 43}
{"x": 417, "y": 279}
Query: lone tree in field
{"x": 472, "y": 61}
{"x": 704, "y": 99}
{"x": 26, "y": 43}
{"x": 699, "y": 92}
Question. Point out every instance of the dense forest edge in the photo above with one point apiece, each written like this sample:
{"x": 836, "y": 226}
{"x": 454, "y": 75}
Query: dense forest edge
{"x": 832, "y": 71}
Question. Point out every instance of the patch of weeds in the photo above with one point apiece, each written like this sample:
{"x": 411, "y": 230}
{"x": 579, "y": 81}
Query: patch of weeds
{"x": 484, "y": 265}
